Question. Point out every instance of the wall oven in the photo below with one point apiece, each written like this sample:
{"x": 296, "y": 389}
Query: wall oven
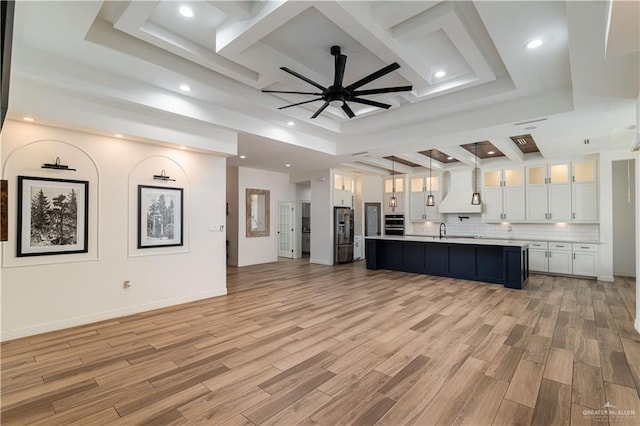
{"x": 394, "y": 224}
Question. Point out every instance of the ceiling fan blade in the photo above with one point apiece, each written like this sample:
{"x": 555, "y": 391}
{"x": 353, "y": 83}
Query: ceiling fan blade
{"x": 300, "y": 103}
{"x": 322, "y": 108}
{"x": 341, "y": 61}
{"x": 348, "y": 110}
{"x": 382, "y": 90}
{"x": 302, "y": 77}
{"x": 368, "y": 102}
{"x": 296, "y": 93}
{"x": 373, "y": 76}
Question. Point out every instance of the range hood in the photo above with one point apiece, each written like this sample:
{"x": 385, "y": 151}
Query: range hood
{"x": 458, "y": 198}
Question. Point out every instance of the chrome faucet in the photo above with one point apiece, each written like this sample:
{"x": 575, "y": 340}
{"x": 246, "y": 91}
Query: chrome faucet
{"x": 443, "y": 229}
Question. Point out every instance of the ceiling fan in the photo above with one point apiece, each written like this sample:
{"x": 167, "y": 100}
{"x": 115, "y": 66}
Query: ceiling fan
{"x": 338, "y": 93}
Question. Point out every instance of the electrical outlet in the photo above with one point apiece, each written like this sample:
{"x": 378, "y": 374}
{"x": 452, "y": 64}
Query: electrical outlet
{"x": 126, "y": 285}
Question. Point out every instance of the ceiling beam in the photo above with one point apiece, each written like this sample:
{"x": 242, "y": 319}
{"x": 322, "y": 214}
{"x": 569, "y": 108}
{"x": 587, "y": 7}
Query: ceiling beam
{"x": 508, "y": 148}
{"x": 386, "y": 164}
{"x": 239, "y": 10}
{"x": 421, "y": 160}
{"x": 459, "y": 154}
{"x": 364, "y": 168}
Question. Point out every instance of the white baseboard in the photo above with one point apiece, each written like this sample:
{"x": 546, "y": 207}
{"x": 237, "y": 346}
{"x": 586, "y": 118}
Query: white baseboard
{"x": 101, "y": 316}
{"x": 607, "y": 278}
{"x": 320, "y": 261}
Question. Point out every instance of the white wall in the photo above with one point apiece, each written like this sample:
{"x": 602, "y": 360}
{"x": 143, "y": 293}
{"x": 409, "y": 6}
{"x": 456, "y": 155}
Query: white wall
{"x": 256, "y": 250}
{"x": 322, "y": 218}
{"x": 44, "y": 293}
{"x": 637, "y": 322}
{"x": 624, "y": 215}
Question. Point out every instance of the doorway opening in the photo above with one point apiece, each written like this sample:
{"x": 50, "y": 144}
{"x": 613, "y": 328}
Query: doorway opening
{"x": 624, "y": 218}
{"x": 305, "y": 235}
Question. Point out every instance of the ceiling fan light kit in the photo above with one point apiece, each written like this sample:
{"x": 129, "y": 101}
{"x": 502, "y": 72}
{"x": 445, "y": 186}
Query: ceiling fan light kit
{"x": 337, "y": 94}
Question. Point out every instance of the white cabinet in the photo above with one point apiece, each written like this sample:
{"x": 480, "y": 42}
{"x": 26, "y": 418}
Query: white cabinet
{"x": 564, "y": 258}
{"x": 548, "y": 193}
{"x": 585, "y": 259}
{"x": 395, "y": 186}
{"x": 560, "y": 259}
{"x": 503, "y": 195}
{"x": 584, "y": 191}
{"x": 419, "y": 189}
{"x": 343, "y": 190}
{"x": 538, "y": 257}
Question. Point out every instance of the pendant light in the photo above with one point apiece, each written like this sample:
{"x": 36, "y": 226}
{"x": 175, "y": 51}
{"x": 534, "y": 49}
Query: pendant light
{"x": 431, "y": 200}
{"x": 475, "y": 198}
{"x": 393, "y": 201}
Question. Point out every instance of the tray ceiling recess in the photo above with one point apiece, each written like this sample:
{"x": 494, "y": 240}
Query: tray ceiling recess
{"x": 402, "y": 161}
{"x": 439, "y": 156}
{"x": 339, "y": 95}
{"x": 525, "y": 143}
{"x": 485, "y": 149}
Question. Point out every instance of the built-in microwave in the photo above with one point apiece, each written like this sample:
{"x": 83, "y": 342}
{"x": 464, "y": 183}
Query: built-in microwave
{"x": 394, "y": 224}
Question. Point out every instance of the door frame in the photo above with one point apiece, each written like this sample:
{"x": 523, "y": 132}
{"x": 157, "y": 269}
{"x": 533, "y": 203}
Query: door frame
{"x": 292, "y": 221}
{"x": 379, "y": 218}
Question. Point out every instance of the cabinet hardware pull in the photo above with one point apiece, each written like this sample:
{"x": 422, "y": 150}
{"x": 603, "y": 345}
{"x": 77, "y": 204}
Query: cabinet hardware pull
{"x": 573, "y": 215}
{"x": 559, "y": 246}
{"x": 574, "y": 255}
{"x": 584, "y": 247}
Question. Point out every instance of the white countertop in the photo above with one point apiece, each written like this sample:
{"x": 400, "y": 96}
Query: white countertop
{"x": 541, "y": 240}
{"x": 435, "y": 239}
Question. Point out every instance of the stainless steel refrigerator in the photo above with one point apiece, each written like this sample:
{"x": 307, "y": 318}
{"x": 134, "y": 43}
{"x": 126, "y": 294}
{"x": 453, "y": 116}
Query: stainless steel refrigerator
{"x": 343, "y": 235}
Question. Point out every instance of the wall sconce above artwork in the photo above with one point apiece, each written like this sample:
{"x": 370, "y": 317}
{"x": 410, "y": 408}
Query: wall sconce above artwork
{"x": 163, "y": 177}
{"x": 57, "y": 166}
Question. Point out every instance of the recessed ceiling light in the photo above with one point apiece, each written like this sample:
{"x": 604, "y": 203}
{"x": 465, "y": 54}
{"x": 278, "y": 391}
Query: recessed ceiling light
{"x": 290, "y": 123}
{"x": 186, "y": 11}
{"x": 183, "y": 147}
{"x": 243, "y": 156}
{"x": 491, "y": 152}
{"x": 118, "y": 135}
{"x": 533, "y": 44}
{"x": 440, "y": 74}
{"x": 449, "y": 158}
{"x": 287, "y": 165}
{"x": 185, "y": 88}
{"x": 28, "y": 119}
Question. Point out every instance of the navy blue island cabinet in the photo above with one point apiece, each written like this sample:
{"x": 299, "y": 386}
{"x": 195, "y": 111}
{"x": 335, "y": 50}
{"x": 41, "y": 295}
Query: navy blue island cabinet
{"x": 493, "y": 261}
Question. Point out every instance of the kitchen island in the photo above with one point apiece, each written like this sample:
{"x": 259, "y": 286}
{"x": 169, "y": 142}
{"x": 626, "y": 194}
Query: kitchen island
{"x": 495, "y": 261}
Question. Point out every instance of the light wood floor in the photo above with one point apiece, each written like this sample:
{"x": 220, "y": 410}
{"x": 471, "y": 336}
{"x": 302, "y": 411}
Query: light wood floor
{"x": 295, "y": 343}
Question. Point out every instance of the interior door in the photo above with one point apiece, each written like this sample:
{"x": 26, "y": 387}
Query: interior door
{"x": 372, "y": 213}
{"x": 285, "y": 229}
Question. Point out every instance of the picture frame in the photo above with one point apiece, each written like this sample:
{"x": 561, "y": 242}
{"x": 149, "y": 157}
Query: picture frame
{"x": 53, "y": 216}
{"x": 160, "y": 216}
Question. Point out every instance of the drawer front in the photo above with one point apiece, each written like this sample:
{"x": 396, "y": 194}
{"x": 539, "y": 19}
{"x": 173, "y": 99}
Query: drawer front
{"x": 560, "y": 246}
{"x": 592, "y": 248}
{"x": 538, "y": 245}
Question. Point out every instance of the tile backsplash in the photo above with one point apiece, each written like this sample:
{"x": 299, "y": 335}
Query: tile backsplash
{"x": 524, "y": 231}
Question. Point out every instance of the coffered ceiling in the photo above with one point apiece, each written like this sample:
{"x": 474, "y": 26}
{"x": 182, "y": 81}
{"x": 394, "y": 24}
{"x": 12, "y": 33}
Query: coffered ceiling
{"x": 129, "y": 59}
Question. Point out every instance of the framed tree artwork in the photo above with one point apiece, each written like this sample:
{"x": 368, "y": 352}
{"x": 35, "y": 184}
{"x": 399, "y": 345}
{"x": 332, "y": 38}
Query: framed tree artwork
{"x": 53, "y": 216}
{"x": 159, "y": 216}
